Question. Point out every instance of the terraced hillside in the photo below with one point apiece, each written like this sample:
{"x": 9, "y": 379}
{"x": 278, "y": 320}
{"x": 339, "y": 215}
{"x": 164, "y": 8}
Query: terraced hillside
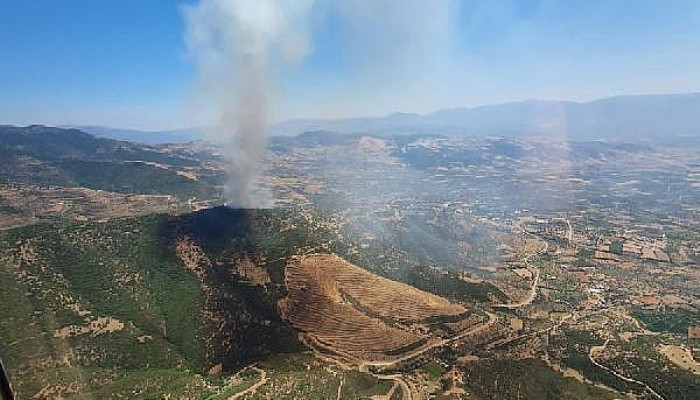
{"x": 388, "y": 299}
{"x": 359, "y": 316}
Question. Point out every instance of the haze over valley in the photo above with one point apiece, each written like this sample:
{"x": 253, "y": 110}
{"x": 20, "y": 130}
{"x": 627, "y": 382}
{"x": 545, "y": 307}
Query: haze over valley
{"x": 241, "y": 213}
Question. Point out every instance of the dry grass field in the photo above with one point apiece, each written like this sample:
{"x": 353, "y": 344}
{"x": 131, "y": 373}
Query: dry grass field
{"x": 27, "y": 204}
{"x": 680, "y": 356}
{"x": 356, "y": 314}
{"x": 387, "y": 298}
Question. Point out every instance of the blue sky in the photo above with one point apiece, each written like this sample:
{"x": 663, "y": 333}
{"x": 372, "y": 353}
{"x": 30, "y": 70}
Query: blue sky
{"x": 123, "y": 62}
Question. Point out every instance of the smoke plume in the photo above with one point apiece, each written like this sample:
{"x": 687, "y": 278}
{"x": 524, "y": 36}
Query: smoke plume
{"x": 393, "y": 52}
{"x": 238, "y": 47}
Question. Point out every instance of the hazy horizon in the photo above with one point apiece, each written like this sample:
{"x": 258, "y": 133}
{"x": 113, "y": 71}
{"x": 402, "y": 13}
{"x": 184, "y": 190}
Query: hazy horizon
{"x": 363, "y": 116}
{"x": 360, "y": 59}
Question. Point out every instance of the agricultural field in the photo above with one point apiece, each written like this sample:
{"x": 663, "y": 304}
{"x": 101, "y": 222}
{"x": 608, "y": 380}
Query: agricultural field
{"x": 386, "y": 298}
{"x": 22, "y": 204}
{"x": 360, "y": 317}
{"x": 318, "y": 306}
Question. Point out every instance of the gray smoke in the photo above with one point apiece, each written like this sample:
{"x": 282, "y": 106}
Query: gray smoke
{"x": 394, "y": 50}
{"x": 238, "y": 47}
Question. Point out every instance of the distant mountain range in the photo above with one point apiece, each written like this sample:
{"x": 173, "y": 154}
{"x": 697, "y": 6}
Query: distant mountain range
{"x": 624, "y": 117}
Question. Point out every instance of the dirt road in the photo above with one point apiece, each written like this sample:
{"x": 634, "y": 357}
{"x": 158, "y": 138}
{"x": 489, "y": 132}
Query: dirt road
{"x": 535, "y": 283}
{"x": 598, "y": 349}
{"x": 398, "y": 378}
{"x": 492, "y": 320}
{"x": 529, "y": 299}
{"x": 254, "y": 388}
{"x": 340, "y": 387}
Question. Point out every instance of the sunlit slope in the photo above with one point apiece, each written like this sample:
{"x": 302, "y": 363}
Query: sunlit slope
{"x": 389, "y": 299}
{"x": 87, "y": 306}
{"x": 40, "y": 155}
{"x": 80, "y": 300}
{"x": 154, "y": 304}
{"x": 358, "y": 316}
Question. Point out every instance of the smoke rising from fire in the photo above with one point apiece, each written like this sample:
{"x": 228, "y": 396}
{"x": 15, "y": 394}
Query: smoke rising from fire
{"x": 237, "y": 47}
{"x": 242, "y": 48}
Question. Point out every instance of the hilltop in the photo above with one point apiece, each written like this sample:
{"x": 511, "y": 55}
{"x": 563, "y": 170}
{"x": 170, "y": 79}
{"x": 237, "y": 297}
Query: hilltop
{"x": 43, "y": 155}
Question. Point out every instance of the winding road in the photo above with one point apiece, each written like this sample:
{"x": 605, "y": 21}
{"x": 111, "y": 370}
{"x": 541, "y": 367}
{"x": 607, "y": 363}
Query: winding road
{"x": 492, "y": 320}
{"x": 591, "y": 356}
{"x": 529, "y": 299}
{"x": 254, "y": 388}
{"x": 399, "y": 378}
{"x": 535, "y": 283}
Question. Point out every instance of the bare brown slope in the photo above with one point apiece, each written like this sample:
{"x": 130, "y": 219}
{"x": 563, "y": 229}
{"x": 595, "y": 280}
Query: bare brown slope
{"x": 359, "y": 315}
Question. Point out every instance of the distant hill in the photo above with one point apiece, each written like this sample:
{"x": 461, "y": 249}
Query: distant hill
{"x": 70, "y": 157}
{"x": 625, "y": 117}
{"x": 145, "y": 137}
{"x": 51, "y": 143}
